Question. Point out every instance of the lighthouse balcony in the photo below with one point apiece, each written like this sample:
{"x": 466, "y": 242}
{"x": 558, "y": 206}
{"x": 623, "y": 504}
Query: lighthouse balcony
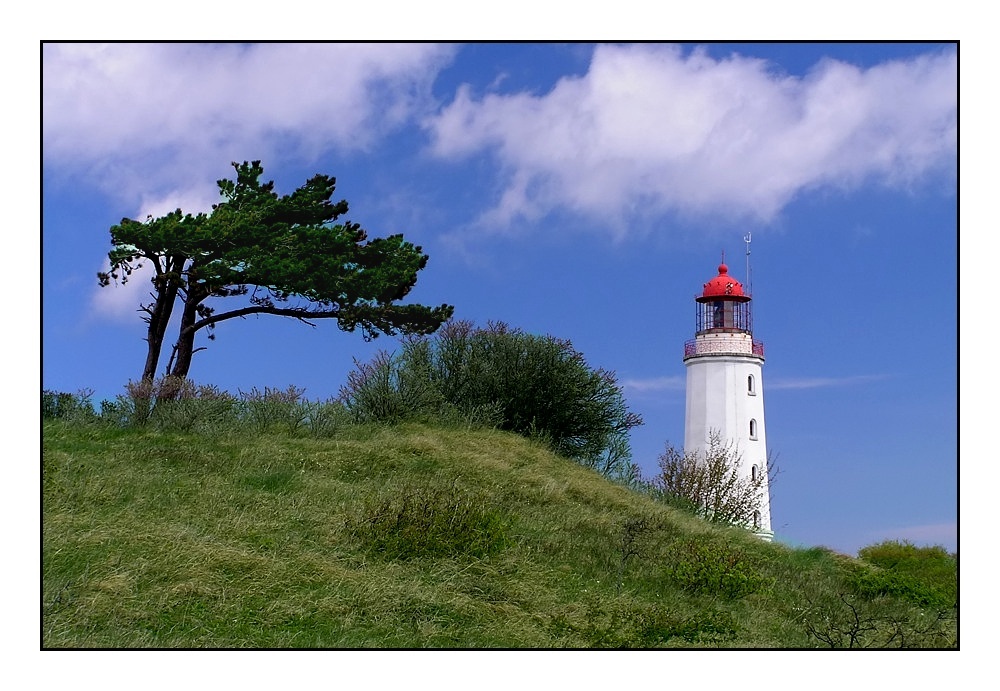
{"x": 723, "y": 344}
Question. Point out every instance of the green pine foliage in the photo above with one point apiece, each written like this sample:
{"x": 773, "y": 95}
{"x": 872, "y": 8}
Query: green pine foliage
{"x": 287, "y": 255}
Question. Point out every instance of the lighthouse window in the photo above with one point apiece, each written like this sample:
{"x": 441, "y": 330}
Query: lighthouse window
{"x": 753, "y": 473}
{"x": 753, "y": 429}
{"x": 756, "y": 519}
{"x": 718, "y": 314}
{"x": 750, "y": 390}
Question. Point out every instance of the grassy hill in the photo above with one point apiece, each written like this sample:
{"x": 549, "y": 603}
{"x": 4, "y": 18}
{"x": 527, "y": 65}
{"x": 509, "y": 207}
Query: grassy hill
{"x": 420, "y": 536}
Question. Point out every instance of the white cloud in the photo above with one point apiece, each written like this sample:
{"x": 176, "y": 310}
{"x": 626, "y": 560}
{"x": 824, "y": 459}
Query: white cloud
{"x": 118, "y": 302}
{"x": 649, "y": 128}
{"x": 143, "y": 116}
{"x": 654, "y": 384}
{"x": 677, "y": 383}
{"x": 155, "y": 124}
{"x": 821, "y": 382}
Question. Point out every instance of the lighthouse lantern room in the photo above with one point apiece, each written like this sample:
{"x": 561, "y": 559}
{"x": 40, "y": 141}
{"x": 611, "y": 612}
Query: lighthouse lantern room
{"x": 725, "y": 392}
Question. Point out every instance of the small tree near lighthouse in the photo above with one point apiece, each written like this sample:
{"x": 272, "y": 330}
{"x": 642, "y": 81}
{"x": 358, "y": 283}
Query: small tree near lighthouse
{"x": 710, "y": 482}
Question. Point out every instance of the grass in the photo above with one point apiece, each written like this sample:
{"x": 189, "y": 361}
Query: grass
{"x": 417, "y": 536}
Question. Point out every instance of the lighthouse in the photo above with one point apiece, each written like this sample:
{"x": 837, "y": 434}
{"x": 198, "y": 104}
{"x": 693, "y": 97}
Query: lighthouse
{"x": 725, "y": 390}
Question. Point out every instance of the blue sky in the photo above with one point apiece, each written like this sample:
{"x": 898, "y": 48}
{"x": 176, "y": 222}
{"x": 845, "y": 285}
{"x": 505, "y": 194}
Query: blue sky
{"x": 579, "y": 190}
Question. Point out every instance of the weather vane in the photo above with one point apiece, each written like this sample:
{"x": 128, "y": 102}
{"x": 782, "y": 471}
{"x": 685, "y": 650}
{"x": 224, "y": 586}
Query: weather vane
{"x": 746, "y": 239}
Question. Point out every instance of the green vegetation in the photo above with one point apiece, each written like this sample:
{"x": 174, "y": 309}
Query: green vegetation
{"x": 925, "y": 575}
{"x": 291, "y": 525}
{"x": 536, "y": 386}
{"x": 709, "y": 482}
{"x": 287, "y": 254}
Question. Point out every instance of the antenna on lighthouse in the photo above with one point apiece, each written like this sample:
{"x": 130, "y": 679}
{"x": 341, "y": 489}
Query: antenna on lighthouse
{"x": 746, "y": 239}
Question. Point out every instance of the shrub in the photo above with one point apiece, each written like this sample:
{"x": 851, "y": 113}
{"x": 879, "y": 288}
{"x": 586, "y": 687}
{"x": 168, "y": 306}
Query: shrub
{"x": 325, "y": 418}
{"x": 537, "y": 386}
{"x": 196, "y": 406}
{"x": 925, "y": 575}
{"x": 633, "y": 541}
{"x": 710, "y": 484}
{"x": 707, "y": 568}
{"x": 135, "y": 408}
{"x": 930, "y": 563}
{"x": 386, "y": 390}
{"x": 430, "y": 522}
{"x": 873, "y": 583}
{"x": 274, "y": 408}
{"x": 62, "y": 405}
{"x": 845, "y": 622}
{"x": 170, "y": 403}
{"x": 180, "y": 404}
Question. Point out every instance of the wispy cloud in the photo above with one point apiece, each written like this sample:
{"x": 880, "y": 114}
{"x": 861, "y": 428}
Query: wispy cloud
{"x": 654, "y": 384}
{"x": 821, "y": 382}
{"x": 120, "y": 302}
{"x": 649, "y": 128}
{"x": 678, "y": 383}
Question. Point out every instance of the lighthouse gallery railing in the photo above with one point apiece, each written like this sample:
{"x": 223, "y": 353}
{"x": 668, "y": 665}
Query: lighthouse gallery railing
{"x": 691, "y": 348}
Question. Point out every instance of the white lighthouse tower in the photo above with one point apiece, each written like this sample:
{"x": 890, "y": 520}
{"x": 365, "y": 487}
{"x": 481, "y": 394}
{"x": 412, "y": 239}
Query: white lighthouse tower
{"x": 725, "y": 391}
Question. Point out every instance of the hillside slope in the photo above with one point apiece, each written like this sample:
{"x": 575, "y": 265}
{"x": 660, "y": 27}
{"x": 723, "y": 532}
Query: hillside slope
{"x": 417, "y": 536}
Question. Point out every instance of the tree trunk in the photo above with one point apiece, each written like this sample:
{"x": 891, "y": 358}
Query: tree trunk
{"x": 184, "y": 348}
{"x": 166, "y": 293}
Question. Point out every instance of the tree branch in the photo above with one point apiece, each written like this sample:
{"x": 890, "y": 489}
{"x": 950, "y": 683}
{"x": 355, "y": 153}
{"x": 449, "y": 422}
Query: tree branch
{"x": 299, "y": 313}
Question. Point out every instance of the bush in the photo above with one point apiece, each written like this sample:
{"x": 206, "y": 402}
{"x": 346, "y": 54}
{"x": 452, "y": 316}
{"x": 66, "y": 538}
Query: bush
{"x": 325, "y": 418}
{"x": 537, "y": 386}
{"x": 873, "y": 583}
{"x": 170, "y": 403}
{"x": 847, "y": 622}
{"x": 706, "y": 568}
{"x": 178, "y": 404}
{"x": 389, "y": 390}
{"x": 709, "y": 483}
{"x": 274, "y": 408}
{"x": 925, "y": 575}
{"x": 62, "y": 405}
{"x": 430, "y": 522}
{"x": 933, "y": 563}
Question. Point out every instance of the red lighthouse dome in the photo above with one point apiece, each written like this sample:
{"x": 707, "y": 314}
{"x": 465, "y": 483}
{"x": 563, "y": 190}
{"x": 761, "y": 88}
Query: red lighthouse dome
{"x": 723, "y": 286}
{"x": 723, "y": 306}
